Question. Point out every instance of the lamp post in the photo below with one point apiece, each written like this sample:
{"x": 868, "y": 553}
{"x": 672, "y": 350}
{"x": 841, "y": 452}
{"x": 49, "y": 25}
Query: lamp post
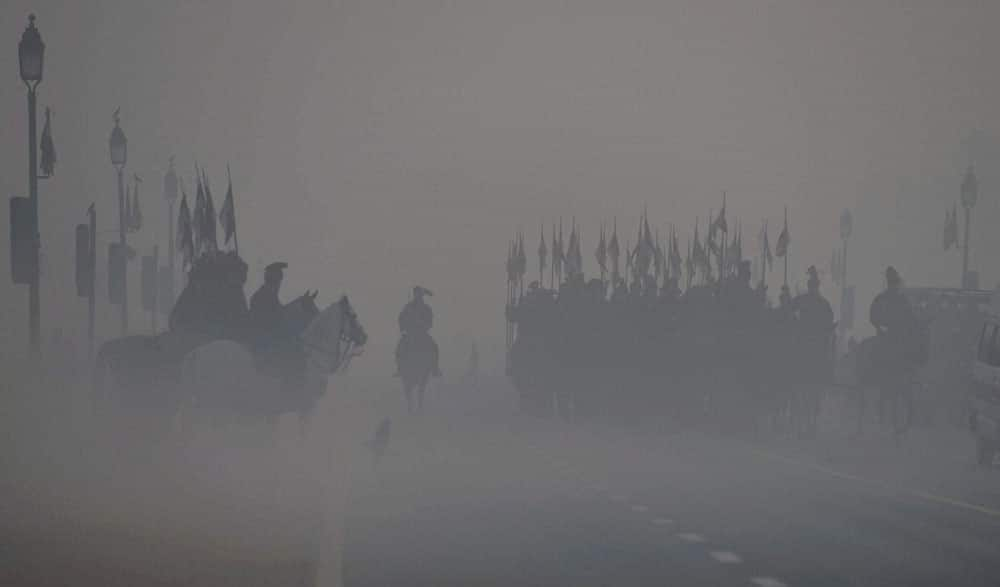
{"x": 31, "y": 57}
{"x": 118, "y": 148}
{"x": 969, "y": 196}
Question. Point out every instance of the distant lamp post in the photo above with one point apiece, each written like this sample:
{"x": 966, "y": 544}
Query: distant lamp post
{"x": 969, "y": 197}
{"x": 118, "y": 148}
{"x": 31, "y": 53}
{"x": 31, "y": 58}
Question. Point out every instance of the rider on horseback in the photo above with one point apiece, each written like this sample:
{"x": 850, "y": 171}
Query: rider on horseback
{"x": 815, "y": 325}
{"x": 894, "y": 320}
{"x": 891, "y": 313}
{"x": 265, "y": 306}
{"x": 415, "y": 321}
{"x": 276, "y": 351}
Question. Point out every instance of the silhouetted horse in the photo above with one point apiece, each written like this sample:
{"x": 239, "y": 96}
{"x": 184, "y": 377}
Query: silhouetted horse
{"x": 416, "y": 364}
{"x": 221, "y": 378}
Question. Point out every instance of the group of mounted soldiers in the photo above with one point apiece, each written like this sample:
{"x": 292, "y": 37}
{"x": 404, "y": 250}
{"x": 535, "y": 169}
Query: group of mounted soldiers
{"x": 648, "y": 353}
{"x": 213, "y": 304}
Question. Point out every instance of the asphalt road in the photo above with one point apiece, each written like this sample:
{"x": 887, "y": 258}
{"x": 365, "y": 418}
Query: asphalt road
{"x": 480, "y": 496}
{"x": 571, "y": 506}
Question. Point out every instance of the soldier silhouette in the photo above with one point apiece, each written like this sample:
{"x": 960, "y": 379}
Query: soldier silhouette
{"x": 265, "y": 306}
{"x": 415, "y": 322}
{"x": 891, "y": 313}
{"x": 815, "y": 316}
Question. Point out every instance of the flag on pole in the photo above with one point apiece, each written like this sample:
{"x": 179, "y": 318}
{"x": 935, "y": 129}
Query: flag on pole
{"x": 614, "y": 252}
{"x": 698, "y": 254}
{"x": 198, "y": 219}
{"x": 227, "y": 215}
{"x": 768, "y": 257}
{"x": 135, "y": 221}
{"x": 522, "y": 258}
{"x": 781, "y": 249}
{"x": 601, "y": 253}
{"x": 675, "y": 255}
{"x": 543, "y": 252}
{"x": 690, "y": 262}
{"x": 574, "y": 260}
{"x": 558, "y": 252}
{"x": 127, "y": 215}
{"x": 211, "y": 239}
{"x": 658, "y": 258}
{"x": 720, "y": 223}
{"x": 511, "y": 265}
{"x": 185, "y": 238}
{"x": 48, "y": 148}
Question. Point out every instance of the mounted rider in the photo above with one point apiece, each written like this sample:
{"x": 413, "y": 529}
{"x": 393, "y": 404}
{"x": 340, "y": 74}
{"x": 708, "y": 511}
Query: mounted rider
{"x": 894, "y": 320}
{"x": 814, "y": 321}
{"x": 266, "y": 306}
{"x": 213, "y": 303}
{"x": 415, "y": 322}
{"x": 275, "y": 350}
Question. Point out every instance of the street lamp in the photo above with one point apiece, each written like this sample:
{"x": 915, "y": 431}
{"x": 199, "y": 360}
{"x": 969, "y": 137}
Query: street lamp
{"x": 118, "y": 148}
{"x": 31, "y": 57}
{"x": 969, "y": 195}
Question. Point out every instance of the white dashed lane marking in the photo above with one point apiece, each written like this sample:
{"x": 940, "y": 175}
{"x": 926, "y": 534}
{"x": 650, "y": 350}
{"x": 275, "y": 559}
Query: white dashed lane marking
{"x": 662, "y": 521}
{"x": 691, "y": 537}
{"x": 725, "y": 557}
{"x": 639, "y": 509}
{"x": 767, "y": 582}
{"x": 618, "y": 498}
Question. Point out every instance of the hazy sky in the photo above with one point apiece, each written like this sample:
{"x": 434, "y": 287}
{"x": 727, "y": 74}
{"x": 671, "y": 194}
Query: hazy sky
{"x": 375, "y": 144}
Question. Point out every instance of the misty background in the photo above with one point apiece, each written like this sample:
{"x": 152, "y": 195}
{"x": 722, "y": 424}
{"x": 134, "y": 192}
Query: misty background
{"x": 379, "y": 145}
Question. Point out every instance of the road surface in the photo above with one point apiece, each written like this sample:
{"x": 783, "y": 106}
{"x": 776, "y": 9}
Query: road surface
{"x": 481, "y": 496}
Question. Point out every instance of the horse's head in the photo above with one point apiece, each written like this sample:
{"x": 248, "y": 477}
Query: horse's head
{"x": 354, "y": 332}
{"x": 300, "y": 312}
{"x": 335, "y": 334}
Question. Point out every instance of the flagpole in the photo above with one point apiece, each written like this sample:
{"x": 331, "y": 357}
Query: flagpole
{"x": 786, "y": 247}
{"x": 236, "y": 236}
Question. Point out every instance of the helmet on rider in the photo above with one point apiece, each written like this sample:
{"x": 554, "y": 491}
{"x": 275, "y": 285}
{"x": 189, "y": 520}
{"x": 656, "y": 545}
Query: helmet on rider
{"x": 813, "y": 283}
{"x": 274, "y": 272}
{"x": 892, "y": 278}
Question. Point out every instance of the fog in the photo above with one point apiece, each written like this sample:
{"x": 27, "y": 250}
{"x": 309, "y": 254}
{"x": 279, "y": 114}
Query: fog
{"x": 376, "y": 146}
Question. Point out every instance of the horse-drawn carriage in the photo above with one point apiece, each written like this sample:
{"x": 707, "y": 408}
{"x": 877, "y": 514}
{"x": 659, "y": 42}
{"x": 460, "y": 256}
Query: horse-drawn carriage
{"x": 208, "y": 360}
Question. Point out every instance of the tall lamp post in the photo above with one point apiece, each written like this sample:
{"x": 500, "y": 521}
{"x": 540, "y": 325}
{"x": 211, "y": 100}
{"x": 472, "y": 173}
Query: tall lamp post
{"x": 969, "y": 196}
{"x": 31, "y": 57}
{"x": 118, "y": 147}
